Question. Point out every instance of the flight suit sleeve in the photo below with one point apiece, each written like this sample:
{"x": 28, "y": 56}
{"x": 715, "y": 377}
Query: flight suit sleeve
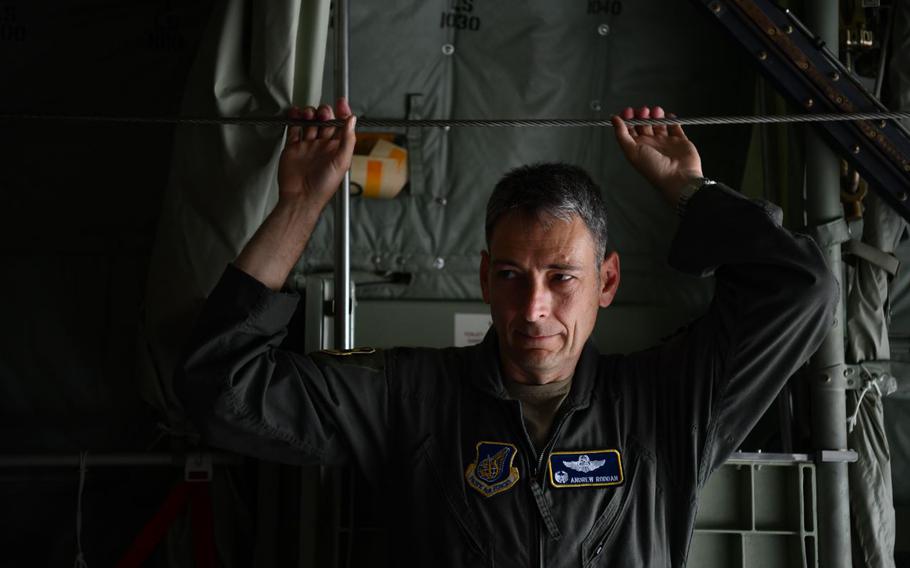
{"x": 245, "y": 393}
{"x": 774, "y": 301}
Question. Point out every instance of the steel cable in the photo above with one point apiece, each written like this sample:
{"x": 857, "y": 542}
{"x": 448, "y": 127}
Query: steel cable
{"x": 366, "y": 122}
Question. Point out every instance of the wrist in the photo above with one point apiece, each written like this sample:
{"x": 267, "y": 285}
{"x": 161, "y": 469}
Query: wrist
{"x": 300, "y": 206}
{"x": 688, "y": 190}
{"x": 683, "y": 179}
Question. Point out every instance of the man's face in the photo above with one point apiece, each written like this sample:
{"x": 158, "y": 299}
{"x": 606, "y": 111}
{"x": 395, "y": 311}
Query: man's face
{"x": 544, "y": 284}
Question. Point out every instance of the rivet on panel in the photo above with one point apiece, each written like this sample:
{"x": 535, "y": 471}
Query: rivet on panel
{"x": 835, "y": 76}
{"x": 715, "y": 7}
{"x": 603, "y": 29}
{"x": 855, "y": 149}
{"x": 439, "y": 263}
{"x": 810, "y": 103}
{"x": 595, "y": 105}
{"x": 788, "y": 29}
{"x": 902, "y": 196}
{"x": 762, "y": 55}
{"x": 448, "y": 49}
{"x": 442, "y": 201}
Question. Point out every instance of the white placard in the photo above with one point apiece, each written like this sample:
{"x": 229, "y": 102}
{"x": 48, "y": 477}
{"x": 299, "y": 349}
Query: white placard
{"x": 470, "y": 328}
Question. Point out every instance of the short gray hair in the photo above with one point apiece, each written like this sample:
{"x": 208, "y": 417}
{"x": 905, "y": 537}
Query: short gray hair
{"x": 556, "y": 189}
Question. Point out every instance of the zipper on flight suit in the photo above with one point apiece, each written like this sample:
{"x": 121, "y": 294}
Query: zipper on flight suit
{"x": 540, "y": 470}
{"x": 533, "y": 452}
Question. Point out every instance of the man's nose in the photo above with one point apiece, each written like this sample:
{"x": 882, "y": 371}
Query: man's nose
{"x": 537, "y": 302}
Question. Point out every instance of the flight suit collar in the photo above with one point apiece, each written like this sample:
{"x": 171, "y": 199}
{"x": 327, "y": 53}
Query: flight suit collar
{"x": 486, "y": 372}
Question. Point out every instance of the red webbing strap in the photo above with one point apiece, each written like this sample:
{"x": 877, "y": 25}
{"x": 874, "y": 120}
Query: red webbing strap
{"x": 153, "y": 531}
{"x": 201, "y": 519}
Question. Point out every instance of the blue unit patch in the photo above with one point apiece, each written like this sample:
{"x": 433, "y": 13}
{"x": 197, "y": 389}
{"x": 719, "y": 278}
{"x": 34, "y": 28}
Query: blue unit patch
{"x": 591, "y": 468}
{"x": 492, "y": 471}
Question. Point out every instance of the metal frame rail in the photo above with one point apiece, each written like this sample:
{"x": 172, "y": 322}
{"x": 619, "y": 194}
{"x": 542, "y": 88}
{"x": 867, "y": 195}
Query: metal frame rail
{"x": 197, "y": 466}
{"x": 127, "y": 459}
{"x": 805, "y": 69}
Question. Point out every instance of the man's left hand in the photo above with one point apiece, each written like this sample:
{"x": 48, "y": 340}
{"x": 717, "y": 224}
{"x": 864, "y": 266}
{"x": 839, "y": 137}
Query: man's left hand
{"x": 662, "y": 154}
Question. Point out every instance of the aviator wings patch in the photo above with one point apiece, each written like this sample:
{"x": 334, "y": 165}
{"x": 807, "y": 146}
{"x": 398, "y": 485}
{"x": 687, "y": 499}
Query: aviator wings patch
{"x": 584, "y": 464}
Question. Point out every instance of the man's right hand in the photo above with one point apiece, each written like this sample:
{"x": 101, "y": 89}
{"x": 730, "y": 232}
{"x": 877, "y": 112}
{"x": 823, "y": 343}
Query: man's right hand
{"x": 315, "y": 159}
{"x": 310, "y": 170}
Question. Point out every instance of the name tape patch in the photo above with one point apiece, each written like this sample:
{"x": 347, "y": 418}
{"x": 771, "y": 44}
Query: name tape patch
{"x": 492, "y": 471}
{"x": 589, "y": 468}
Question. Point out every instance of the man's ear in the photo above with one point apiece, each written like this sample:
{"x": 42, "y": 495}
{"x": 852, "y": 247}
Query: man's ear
{"x": 484, "y": 275}
{"x": 609, "y": 279}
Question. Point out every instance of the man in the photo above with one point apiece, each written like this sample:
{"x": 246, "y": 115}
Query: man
{"x": 530, "y": 449}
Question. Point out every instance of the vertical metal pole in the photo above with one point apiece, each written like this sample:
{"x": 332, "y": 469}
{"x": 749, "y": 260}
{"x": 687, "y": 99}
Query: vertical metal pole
{"x": 343, "y": 339}
{"x": 343, "y": 304}
{"x": 828, "y": 385}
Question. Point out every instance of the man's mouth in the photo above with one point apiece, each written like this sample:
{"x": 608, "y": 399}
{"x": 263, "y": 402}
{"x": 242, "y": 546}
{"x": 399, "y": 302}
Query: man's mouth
{"x": 534, "y": 335}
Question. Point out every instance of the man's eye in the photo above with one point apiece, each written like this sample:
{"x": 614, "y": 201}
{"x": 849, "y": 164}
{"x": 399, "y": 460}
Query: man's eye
{"x": 507, "y": 274}
{"x": 563, "y": 277}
